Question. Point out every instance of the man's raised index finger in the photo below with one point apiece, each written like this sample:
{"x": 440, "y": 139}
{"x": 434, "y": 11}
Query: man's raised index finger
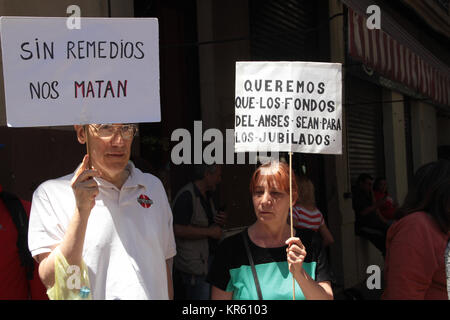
{"x": 84, "y": 166}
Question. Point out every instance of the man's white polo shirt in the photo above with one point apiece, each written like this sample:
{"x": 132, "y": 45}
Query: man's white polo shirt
{"x": 128, "y": 239}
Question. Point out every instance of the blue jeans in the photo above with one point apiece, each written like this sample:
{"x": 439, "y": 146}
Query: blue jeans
{"x": 191, "y": 287}
{"x": 195, "y": 287}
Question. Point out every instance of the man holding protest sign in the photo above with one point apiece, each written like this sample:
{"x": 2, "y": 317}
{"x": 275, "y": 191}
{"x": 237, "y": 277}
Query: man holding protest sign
{"x": 111, "y": 221}
{"x": 105, "y": 231}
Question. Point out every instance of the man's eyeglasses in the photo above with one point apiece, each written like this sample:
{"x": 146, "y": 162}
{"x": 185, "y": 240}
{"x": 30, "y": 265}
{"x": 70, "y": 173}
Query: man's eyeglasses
{"x": 106, "y": 131}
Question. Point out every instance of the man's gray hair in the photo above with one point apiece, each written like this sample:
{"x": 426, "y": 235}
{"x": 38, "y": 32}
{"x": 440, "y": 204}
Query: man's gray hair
{"x": 200, "y": 170}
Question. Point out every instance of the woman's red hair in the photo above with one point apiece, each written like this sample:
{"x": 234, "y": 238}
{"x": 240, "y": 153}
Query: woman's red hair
{"x": 277, "y": 175}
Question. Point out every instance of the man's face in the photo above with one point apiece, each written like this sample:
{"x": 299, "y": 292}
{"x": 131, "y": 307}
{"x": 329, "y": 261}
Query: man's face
{"x": 213, "y": 179}
{"x": 110, "y": 154}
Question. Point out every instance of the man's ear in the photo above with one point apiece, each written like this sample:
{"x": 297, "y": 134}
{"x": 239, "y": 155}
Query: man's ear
{"x": 81, "y": 133}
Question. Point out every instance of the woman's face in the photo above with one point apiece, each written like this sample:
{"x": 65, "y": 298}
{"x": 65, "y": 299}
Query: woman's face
{"x": 383, "y": 185}
{"x": 271, "y": 204}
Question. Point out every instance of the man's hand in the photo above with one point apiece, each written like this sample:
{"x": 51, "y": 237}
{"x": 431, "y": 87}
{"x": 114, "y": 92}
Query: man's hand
{"x": 215, "y": 231}
{"x": 85, "y": 188}
{"x": 220, "y": 218}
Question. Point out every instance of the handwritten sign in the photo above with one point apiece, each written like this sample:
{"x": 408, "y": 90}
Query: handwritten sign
{"x": 288, "y": 106}
{"x": 105, "y": 72}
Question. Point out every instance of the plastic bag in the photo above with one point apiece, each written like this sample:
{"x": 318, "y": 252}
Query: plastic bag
{"x": 71, "y": 282}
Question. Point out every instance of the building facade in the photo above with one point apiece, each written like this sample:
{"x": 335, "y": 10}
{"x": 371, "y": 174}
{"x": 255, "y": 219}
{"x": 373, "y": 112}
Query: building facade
{"x": 396, "y": 93}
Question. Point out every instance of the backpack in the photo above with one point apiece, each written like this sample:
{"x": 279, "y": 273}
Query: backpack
{"x": 20, "y": 219}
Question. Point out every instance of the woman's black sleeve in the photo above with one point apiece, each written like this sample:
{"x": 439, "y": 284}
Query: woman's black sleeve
{"x": 219, "y": 273}
{"x": 323, "y": 268}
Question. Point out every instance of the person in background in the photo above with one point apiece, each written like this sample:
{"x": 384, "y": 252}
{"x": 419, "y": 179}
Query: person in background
{"x": 388, "y": 207}
{"x": 262, "y": 261}
{"x": 19, "y": 278}
{"x": 415, "y": 265}
{"x": 305, "y": 213}
{"x": 369, "y": 223}
{"x": 197, "y": 227}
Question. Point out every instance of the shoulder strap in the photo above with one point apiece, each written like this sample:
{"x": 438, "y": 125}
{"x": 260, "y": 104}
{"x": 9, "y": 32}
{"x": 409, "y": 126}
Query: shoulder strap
{"x": 252, "y": 265}
{"x": 190, "y": 188}
{"x": 187, "y": 188}
{"x": 20, "y": 219}
{"x": 179, "y": 193}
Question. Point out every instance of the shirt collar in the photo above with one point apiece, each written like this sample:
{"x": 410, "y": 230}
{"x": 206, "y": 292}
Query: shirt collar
{"x": 196, "y": 190}
{"x": 135, "y": 178}
{"x": 199, "y": 194}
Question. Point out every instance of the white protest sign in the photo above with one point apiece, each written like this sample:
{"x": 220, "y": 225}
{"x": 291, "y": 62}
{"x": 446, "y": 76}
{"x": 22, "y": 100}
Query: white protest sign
{"x": 288, "y": 106}
{"x": 105, "y": 72}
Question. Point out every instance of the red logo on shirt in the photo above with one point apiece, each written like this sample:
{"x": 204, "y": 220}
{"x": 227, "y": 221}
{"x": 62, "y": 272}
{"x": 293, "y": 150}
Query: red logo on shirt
{"x": 145, "y": 201}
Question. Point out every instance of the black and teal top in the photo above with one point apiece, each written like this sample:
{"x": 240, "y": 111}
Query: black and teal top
{"x": 231, "y": 271}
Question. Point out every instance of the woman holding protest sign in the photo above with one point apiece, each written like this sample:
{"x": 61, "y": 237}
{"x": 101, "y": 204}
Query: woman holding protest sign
{"x": 261, "y": 261}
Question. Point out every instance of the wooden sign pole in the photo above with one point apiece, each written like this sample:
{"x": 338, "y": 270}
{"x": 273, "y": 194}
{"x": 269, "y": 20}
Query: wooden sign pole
{"x": 86, "y": 129}
{"x": 292, "y": 224}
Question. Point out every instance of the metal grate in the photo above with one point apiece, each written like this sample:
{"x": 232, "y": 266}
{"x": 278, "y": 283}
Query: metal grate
{"x": 364, "y": 129}
{"x": 283, "y": 29}
{"x": 443, "y": 4}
